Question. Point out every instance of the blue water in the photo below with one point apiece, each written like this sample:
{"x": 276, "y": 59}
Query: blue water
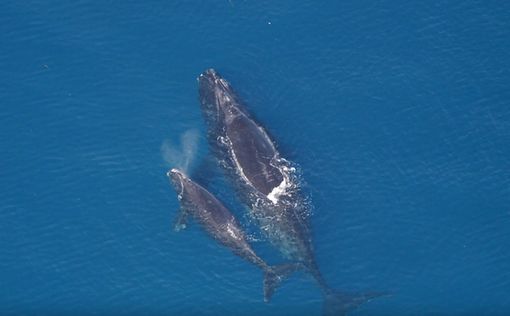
{"x": 398, "y": 114}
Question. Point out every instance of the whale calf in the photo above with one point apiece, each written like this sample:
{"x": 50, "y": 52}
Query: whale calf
{"x": 266, "y": 182}
{"x": 221, "y": 224}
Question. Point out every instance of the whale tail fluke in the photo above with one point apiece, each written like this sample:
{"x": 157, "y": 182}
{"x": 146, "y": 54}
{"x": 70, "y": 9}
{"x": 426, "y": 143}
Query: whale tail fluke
{"x": 340, "y": 303}
{"x": 275, "y": 275}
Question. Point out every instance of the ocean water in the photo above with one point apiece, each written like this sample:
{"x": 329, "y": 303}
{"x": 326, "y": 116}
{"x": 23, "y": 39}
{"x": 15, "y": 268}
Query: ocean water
{"x": 397, "y": 112}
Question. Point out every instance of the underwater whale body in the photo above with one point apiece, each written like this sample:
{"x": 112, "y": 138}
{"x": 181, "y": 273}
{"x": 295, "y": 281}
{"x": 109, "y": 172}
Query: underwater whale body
{"x": 221, "y": 224}
{"x": 266, "y": 182}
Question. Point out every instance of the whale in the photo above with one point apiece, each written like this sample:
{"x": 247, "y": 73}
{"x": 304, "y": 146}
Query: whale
{"x": 197, "y": 202}
{"x": 266, "y": 182}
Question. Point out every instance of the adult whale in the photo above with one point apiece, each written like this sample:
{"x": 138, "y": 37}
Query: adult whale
{"x": 266, "y": 182}
{"x": 221, "y": 224}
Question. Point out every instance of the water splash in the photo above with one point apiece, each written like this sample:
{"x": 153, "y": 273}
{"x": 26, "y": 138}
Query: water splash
{"x": 183, "y": 154}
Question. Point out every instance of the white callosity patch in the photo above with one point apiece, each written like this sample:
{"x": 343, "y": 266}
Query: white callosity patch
{"x": 226, "y": 98}
{"x": 223, "y": 82}
{"x": 232, "y": 231}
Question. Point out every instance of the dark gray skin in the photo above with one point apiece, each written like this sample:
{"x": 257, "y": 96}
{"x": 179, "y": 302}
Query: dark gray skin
{"x": 258, "y": 171}
{"x": 221, "y": 224}
{"x": 249, "y": 148}
{"x": 250, "y": 144}
{"x": 214, "y": 217}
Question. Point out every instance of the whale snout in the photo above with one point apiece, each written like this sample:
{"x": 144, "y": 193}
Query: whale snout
{"x": 172, "y": 172}
{"x": 215, "y": 93}
{"x": 209, "y": 74}
{"x": 176, "y": 175}
{"x": 177, "y": 178}
{"x": 208, "y": 79}
{"x": 211, "y": 92}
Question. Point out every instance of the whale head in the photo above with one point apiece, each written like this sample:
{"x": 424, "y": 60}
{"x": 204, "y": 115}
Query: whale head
{"x": 178, "y": 180}
{"x": 217, "y": 98}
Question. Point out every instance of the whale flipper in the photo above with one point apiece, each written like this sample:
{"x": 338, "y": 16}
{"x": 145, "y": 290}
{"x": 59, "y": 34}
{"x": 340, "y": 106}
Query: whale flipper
{"x": 275, "y": 275}
{"x": 181, "y": 220}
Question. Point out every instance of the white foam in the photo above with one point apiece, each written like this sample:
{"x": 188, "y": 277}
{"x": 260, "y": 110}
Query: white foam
{"x": 278, "y": 191}
{"x": 284, "y": 186}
